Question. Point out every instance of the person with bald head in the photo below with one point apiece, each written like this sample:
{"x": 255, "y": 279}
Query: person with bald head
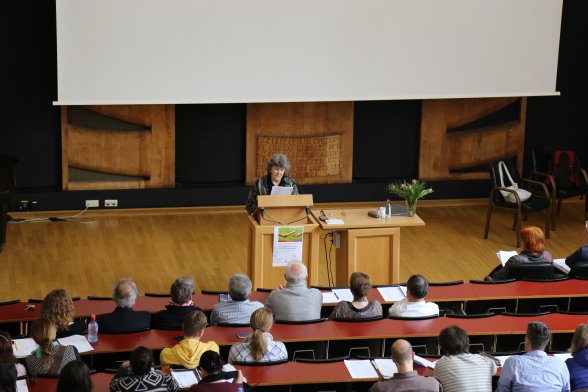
{"x": 295, "y": 302}
{"x": 406, "y": 379}
{"x": 124, "y": 318}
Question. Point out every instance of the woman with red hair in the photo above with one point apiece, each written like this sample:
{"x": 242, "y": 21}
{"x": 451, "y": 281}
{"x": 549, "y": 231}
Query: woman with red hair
{"x": 533, "y": 244}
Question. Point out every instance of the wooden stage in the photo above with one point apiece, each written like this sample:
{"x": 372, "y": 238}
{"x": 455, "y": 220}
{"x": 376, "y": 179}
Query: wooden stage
{"x": 210, "y": 244}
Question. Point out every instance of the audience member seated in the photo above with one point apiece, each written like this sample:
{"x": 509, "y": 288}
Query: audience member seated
{"x": 50, "y": 357}
{"x": 360, "y": 286}
{"x": 187, "y": 352}
{"x": 534, "y": 370}
{"x": 458, "y": 370}
{"x": 7, "y": 376}
{"x": 581, "y": 255}
{"x": 59, "y": 308}
{"x": 533, "y": 244}
{"x": 75, "y": 377}
{"x": 260, "y": 345}
{"x": 7, "y": 353}
{"x": 414, "y": 305}
{"x": 578, "y": 364}
{"x": 179, "y": 306}
{"x": 124, "y": 318}
{"x": 214, "y": 379}
{"x": 295, "y": 302}
{"x": 238, "y": 309}
{"x": 138, "y": 375}
{"x": 406, "y": 379}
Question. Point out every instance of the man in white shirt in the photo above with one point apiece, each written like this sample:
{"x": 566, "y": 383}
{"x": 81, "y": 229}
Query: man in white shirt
{"x": 414, "y": 305}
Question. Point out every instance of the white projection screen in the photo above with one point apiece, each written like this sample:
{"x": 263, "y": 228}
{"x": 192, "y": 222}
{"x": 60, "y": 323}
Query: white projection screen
{"x": 223, "y": 51}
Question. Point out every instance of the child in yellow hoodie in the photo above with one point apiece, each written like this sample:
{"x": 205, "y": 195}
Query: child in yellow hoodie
{"x": 187, "y": 353}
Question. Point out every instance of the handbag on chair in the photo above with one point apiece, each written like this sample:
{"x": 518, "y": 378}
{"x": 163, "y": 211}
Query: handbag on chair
{"x": 524, "y": 194}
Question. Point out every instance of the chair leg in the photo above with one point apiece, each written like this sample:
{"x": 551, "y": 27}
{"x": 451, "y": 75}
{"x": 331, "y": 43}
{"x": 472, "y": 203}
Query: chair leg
{"x": 552, "y": 207}
{"x": 488, "y": 220}
{"x": 518, "y": 226}
{"x": 547, "y": 215}
{"x": 558, "y": 206}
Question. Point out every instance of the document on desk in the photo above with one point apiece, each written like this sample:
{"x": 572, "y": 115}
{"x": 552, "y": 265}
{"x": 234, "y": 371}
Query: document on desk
{"x": 563, "y": 356}
{"x": 502, "y": 358}
{"x": 334, "y": 221}
{"x": 424, "y": 362}
{"x": 185, "y": 377}
{"x": 329, "y": 297}
{"x": 504, "y": 255}
{"x": 393, "y": 293}
{"x": 79, "y": 341}
{"x": 561, "y": 265}
{"x": 386, "y": 367}
{"x": 281, "y": 190}
{"x": 343, "y": 295}
{"x": 23, "y": 347}
{"x": 21, "y": 386}
{"x": 362, "y": 368}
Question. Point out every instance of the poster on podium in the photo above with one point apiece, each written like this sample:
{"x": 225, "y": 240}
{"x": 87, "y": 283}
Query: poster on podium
{"x": 287, "y": 244}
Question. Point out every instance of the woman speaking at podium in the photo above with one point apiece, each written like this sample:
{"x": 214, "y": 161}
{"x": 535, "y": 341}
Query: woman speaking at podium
{"x": 277, "y": 167}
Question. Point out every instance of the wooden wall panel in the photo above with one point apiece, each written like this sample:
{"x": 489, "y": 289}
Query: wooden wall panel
{"x": 307, "y": 119}
{"x": 442, "y": 151}
{"x": 146, "y": 156}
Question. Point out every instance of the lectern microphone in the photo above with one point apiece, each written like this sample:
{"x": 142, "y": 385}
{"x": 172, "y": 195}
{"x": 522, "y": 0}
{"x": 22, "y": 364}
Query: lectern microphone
{"x": 261, "y": 211}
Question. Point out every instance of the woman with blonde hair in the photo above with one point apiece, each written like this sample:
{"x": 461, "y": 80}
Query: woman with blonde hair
{"x": 50, "y": 357}
{"x": 260, "y": 346}
{"x": 58, "y": 307}
{"x": 360, "y": 286}
{"x": 533, "y": 244}
{"x": 578, "y": 363}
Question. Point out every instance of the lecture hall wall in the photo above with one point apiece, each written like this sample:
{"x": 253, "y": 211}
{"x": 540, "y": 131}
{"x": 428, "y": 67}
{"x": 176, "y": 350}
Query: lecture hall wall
{"x": 210, "y": 138}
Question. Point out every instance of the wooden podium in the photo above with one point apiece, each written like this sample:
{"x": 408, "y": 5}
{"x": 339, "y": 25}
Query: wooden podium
{"x": 368, "y": 245}
{"x": 280, "y": 210}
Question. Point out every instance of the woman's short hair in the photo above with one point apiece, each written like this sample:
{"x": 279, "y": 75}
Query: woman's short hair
{"x": 7, "y": 376}
{"x": 580, "y": 338}
{"x": 75, "y": 377}
{"x": 359, "y": 284}
{"x": 141, "y": 360}
{"x": 453, "y": 340}
{"x": 533, "y": 239}
{"x": 279, "y": 160}
{"x": 58, "y": 307}
{"x": 182, "y": 289}
{"x": 211, "y": 361}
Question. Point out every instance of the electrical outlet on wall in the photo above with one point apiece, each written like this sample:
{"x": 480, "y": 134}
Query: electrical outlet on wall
{"x": 111, "y": 203}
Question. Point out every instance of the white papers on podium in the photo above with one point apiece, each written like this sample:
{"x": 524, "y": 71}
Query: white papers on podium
{"x": 281, "y": 190}
{"x": 334, "y": 221}
{"x": 504, "y": 255}
{"x": 23, "y": 347}
{"x": 393, "y": 293}
{"x": 386, "y": 367}
{"x": 361, "y": 368}
{"x": 79, "y": 341}
{"x": 185, "y": 377}
{"x": 561, "y": 265}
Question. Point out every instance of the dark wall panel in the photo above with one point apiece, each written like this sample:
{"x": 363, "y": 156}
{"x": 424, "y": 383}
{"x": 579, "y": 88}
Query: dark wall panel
{"x": 210, "y": 144}
{"x": 386, "y": 139}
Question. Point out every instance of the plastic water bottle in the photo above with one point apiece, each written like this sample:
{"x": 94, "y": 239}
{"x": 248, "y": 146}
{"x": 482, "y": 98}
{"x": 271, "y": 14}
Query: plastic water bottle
{"x": 388, "y": 209}
{"x": 93, "y": 329}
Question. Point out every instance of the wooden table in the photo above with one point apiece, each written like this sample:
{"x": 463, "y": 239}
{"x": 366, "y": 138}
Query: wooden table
{"x": 367, "y": 244}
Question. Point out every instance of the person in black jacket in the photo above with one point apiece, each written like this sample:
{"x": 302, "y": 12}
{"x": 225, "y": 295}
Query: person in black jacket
{"x": 179, "y": 306}
{"x": 124, "y": 318}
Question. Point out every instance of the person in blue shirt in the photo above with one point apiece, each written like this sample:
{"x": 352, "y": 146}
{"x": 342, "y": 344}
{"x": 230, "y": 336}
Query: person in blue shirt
{"x": 580, "y": 255}
{"x": 578, "y": 364}
{"x": 534, "y": 370}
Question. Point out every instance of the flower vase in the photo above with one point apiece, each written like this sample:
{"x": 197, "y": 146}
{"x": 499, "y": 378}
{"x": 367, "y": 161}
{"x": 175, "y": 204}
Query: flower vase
{"x": 411, "y": 208}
